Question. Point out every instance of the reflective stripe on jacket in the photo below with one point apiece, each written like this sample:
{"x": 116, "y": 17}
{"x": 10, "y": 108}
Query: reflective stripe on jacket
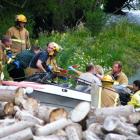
{"x": 20, "y": 39}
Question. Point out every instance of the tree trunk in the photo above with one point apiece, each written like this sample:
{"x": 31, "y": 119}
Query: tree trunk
{"x": 7, "y": 93}
{"x": 113, "y": 124}
{"x": 74, "y": 132}
{"x": 2, "y": 105}
{"x": 98, "y": 115}
{"x": 8, "y": 130}
{"x": 51, "y": 137}
{"x": 26, "y": 116}
{"x": 25, "y": 134}
{"x": 80, "y": 112}
{"x": 88, "y": 135}
{"x": 50, "y": 114}
{"x": 97, "y": 129}
{"x": 9, "y": 109}
{"x": 52, "y": 127}
{"x": 60, "y": 132}
{"x": 6, "y": 122}
{"x": 27, "y": 103}
{"x": 134, "y": 118}
{"x": 115, "y": 137}
{"x": 43, "y": 113}
{"x": 57, "y": 114}
{"x": 116, "y": 111}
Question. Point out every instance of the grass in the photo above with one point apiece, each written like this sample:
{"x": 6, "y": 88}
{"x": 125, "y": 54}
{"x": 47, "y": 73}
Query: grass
{"x": 118, "y": 42}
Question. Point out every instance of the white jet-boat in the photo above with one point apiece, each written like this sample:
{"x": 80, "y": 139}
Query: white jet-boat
{"x": 52, "y": 95}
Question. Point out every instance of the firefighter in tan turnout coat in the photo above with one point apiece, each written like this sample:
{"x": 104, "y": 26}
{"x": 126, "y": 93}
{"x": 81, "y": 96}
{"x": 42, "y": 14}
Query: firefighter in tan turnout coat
{"x": 19, "y": 35}
{"x": 109, "y": 97}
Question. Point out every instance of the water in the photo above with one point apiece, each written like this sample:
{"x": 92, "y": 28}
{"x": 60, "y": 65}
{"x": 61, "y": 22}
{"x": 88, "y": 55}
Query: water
{"x": 132, "y": 16}
{"x": 136, "y": 76}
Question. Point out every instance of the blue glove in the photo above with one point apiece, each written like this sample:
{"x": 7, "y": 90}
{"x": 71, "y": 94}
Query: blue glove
{"x": 17, "y": 63}
{"x": 71, "y": 68}
{"x": 50, "y": 68}
{"x": 64, "y": 78}
{"x": 9, "y": 55}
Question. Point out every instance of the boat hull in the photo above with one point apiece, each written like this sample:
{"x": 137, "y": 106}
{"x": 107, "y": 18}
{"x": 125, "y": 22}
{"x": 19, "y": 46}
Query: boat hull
{"x": 55, "y": 100}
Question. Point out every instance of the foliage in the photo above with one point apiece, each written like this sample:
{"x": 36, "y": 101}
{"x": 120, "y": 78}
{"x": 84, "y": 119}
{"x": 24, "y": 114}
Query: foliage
{"x": 57, "y": 14}
{"x": 7, "y": 19}
{"x": 113, "y": 43}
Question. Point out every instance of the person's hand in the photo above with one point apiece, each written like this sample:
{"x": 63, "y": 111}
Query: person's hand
{"x": 2, "y": 76}
{"x": 50, "y": 68}
{"x": 71, "y": 68}
{"x": 17, "y": 63}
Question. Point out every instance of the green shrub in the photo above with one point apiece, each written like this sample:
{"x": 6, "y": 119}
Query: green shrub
{"x": 113, "y": 43}
{"x": 95, "y": 20}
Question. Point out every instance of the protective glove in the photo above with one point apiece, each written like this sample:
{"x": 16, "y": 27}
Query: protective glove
{"x": 71, "y": 68}
{"x": 17, "y": 63}
{"x": 63, "y": 78}
{"x": 50, "y": 68}
{"x": 10, "y": 57}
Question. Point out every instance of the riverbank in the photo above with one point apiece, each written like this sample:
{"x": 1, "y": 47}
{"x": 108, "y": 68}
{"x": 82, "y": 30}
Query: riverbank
{"x": 119, "y": 41}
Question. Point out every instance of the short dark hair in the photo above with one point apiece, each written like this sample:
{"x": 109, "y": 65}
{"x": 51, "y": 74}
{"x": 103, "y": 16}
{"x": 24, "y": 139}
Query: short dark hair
{"x": 119, "y": 63}
{"x": 89, "y": 67}
{"x": 35, "y": 48}
{"x": 5, "y": 38}
{"x": 137, "y": 83}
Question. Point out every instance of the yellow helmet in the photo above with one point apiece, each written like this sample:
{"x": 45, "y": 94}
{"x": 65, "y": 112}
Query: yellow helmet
{"x": 21, "y": 18}
{"x": 108, "y": 78}
{"x": 57, "y": 48}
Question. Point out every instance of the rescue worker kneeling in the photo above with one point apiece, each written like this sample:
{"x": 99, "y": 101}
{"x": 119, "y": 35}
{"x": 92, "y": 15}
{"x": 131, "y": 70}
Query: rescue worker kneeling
{"x": 109, "y": 98}
{"x": 135, "y": 99}
{"x": 44, "y": 62}
{"x": 20, "y": 62}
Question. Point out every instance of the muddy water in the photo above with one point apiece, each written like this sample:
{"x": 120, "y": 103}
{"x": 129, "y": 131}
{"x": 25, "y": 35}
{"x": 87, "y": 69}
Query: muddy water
{"x": 136, "y": 76}
{"x": 132, "y": 16}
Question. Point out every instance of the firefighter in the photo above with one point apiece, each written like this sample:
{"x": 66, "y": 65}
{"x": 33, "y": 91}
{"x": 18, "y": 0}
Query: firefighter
{"x": 5, "y": 44}
{"x": 109, "y": 97}
{"x": 117, "y": 73}
{"x": 45, "y": 62}
{"x": 135, "y": 99}
{"x": 19, "y": 35}
{"x": 21, "y": 62}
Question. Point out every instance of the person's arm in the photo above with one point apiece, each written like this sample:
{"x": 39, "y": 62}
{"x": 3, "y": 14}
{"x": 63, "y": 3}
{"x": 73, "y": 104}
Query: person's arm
{"x": 99, "y": 76}
{"x": 125, "y": 80}
{"x": 78, "y": 72}
{"x": 42, "y": 59}
{"x": 28, "y": 45}
{"x": 40, "y": 66}
{"x": 130, "y": 87}
{"x": 134, "y": 100}
{"x": 74, "y": 70}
